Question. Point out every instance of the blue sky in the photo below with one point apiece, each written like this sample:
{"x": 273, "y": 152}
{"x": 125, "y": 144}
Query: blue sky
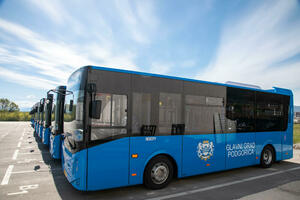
{"x": 42, "y": 42}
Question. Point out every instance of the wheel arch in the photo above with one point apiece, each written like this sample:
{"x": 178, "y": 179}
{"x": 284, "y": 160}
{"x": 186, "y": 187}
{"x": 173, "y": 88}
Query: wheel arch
{"x": 273, "y": 148}
{"x": 171, "y": 158}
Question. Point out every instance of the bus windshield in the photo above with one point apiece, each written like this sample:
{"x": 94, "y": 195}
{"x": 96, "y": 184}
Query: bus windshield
{"x": 73, "y": 118}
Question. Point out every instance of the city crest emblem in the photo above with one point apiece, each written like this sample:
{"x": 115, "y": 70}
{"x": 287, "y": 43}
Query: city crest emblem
{"x": 205, "y": 150}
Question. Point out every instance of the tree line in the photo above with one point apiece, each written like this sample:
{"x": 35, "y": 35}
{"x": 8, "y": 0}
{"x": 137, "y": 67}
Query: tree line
{"x": 10, "y": 111}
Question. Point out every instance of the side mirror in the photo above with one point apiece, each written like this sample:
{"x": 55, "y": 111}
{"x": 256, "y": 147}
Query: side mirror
{"x": 71, "y": 106}
{"x": 95, "y": 109}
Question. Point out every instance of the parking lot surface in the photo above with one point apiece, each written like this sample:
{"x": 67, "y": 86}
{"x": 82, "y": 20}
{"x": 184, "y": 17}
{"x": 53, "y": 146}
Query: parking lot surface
{"x": 28, "y": 172}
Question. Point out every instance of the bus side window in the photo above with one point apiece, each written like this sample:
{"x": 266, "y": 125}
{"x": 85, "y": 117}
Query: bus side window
{"x": 169, "y": 112}
{"x": 269, "y": 112}
{"x": 113, "y": 117}
{"x": 240, "y": 110}
{"x": 141, "y": 112}
{"x": 204, "y": 114}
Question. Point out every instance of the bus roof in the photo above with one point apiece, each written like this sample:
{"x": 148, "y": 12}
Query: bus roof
{"x": 276, "y": 90}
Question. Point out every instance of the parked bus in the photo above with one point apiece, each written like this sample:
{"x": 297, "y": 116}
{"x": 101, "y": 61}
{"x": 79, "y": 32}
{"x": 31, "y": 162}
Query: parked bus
{"x": 57, "y": 121}
{"x": 32, "y": 113}
{"x": 130, "y": 128}
{"x": 37, "y": 129}
{"x": 47, "y": 117}
{"x": 41, "y": 123}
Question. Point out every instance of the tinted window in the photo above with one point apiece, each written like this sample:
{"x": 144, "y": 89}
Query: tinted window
{"x": 240, "y": 110}
{"x": 141, "y": 111}
{"x": 113, "y": 118}
{"x": 169, "y": 111}
{"x": 204, "y": 115}
{"x": 270, "y": 112}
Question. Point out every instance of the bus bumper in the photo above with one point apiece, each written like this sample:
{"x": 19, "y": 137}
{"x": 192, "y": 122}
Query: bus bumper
{"x": 55, "y": 146}
{"x": 41, "y": 131}
{"x": 74, "y": 168}
{"x": 46, "y": 136}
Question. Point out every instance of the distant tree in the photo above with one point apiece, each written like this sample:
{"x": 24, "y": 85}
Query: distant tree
{"x": 7, "y": 105}
{"x": 4, "y": 104}
{"x": 13, "y": 107}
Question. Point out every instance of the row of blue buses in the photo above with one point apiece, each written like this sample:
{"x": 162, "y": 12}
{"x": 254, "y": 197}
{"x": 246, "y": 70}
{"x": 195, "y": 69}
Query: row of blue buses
{"x": 118, "y": 128}
{"x": 47, "y": 120}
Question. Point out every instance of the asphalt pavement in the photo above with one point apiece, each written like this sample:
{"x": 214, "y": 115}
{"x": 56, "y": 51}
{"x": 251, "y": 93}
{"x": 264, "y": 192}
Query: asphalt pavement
{"x": 28, "y": 172}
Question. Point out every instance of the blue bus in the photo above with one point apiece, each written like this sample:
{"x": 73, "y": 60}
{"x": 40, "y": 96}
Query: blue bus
{"x": 41, "y": 120}
{"x": 32, "y": 113}
{"x": 47, "y": 119}
{"x": 57, "y": 115}
{"x": 37, "y": 127}
{"x": 131, "y": 128}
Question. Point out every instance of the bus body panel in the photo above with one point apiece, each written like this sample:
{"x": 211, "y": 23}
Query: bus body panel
{"x": 41, "y": 131}
{"x": 287, "y": 137}
{"x": 46, "y": 136}
{"x": 108, "y": 165}
{"x": 74, "y": 167}
{"x": 287, "y": 143}
{"x": 148, "y": 147}
{"x": 35, "y": 128}
{"x": 203, "y": 153}
{"x": 38, "y": 129}
{"x": 269, "y": 138}
{"x": 55, "y": 146}
{"x": 240, "y": 150}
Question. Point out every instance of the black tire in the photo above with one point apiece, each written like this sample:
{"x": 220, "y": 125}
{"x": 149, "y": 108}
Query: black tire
{"x": 267, "y": 157}
{"x": 158, "y": 172}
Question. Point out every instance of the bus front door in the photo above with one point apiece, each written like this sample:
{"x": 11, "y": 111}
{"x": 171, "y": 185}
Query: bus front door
{"x": 203, "y": 154}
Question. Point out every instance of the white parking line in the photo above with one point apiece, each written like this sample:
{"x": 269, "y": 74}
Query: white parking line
{"x": 35, "y": 171}
{"x": 34, "y": 153}
{"x": 19, "y": 144}
{"x": 221, "y": 185}
{"x": 6, "y": 177}
{"x": 15, "y": 154}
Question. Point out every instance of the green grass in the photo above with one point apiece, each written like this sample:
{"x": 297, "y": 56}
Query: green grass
{"x": 296, "y": 133}
{"x": 14, "y": 116}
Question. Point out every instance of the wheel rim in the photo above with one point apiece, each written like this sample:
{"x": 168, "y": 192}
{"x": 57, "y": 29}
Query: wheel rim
{"x": 267, "y": 157}
{"x": 160, "y": 173}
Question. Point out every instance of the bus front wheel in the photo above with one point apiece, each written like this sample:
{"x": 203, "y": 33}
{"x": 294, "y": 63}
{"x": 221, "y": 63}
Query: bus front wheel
{"x": 158, "y": 172}
{"x": 267, "y": 157}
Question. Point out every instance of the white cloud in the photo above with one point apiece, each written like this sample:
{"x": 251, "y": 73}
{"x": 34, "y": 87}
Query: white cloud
{"x": 57, "y": 59}
{"x": 139, "y": 19}
{"x": 51, "y": 8}
{"x": 160, "y": 67}
{"x": 27, "y": 80}
{"x": 254, "y": 43}
{"x": 31, "y": 96}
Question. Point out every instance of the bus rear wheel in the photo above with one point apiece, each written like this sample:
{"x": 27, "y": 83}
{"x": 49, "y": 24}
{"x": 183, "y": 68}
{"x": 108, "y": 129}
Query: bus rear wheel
{"x": 158, "y": 172}
{"x": 267, "y": 157}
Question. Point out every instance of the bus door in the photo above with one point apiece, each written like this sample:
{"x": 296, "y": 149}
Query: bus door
{"x": 241, "y": 136}
{"x": 204, "y": 139}
{"x": 108, "y": 155}
{"x": 203, "y": 154}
